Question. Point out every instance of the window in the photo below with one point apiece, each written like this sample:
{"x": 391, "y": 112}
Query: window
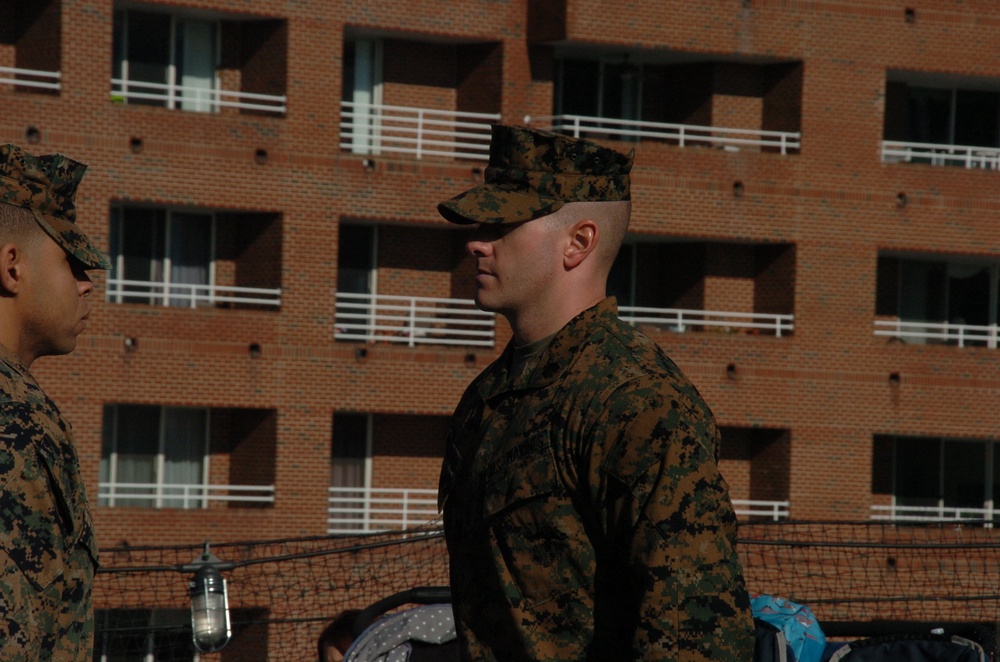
{"x": 165, "y": 60}
{"x": 599, "y": 88}
{"x": 694, "y": 285}
{"x": 164, "y": 635}
{"x": 356, "y": 258}
{"x": 31, "y": 28}
{"x": 941, "y": 120}
{"x": 951, "y": 300}
{"x": 154, "y": 457}
{"x": 161, "y": 256}
{"x": 349, "y": 470}
{"x": 946, "y": 478}
{"x": 362, "y": 92}
{"x": 152, "y": 635}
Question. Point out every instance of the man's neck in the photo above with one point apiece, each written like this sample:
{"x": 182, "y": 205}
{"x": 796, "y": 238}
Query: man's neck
{"x": 529, "y": 328}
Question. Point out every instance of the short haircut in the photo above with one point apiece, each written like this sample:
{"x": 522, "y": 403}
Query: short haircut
{"x": 612, "y": 220}
{"x": 18, "y": 225}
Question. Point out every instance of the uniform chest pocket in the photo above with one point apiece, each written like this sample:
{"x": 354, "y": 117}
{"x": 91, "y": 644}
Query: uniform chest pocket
{"x": 540, "y": 548}
{"x": 33, "y": 537}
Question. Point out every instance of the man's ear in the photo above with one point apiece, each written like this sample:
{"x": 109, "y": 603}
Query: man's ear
{"x": 582, "y": 241}
{"x": 11, "y": 266}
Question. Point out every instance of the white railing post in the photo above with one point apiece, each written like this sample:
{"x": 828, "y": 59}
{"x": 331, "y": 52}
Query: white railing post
{"x": 420, "y": 133}
{"x": 413, "y": 322}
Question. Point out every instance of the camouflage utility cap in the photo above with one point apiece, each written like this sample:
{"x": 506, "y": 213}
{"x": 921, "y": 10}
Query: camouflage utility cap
{"x": 534, "y": 173}
{"x": 46, "y": 185}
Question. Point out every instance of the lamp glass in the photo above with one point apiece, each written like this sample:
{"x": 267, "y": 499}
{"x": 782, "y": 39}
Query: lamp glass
{"x": 209, "y": 610}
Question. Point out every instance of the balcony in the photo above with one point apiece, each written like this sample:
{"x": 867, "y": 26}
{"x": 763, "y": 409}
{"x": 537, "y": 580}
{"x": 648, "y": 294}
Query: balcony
{"x": 941, "y": 120}
{"x": 984, "y": 158}
{"x": 31, "y": 46}
{"x": 413, "y": 320}
{"x": 684, "y": 286}
{"x": 189, "y": 296}
{"x": 191, "y": 258}
{"x": 31, "y": 78}
{"x": 943, "y": 333}
{"x": 937, "y": 299}
{"x": 680, "y": 320}
{"x": 199, "y": 61}
{"x": 419, "y": 132}
{"x": 164, "y": 495}
{"x": 897, "y": 513}
{"x": 372, "y": 510}
{"x": 368, "y": 510}
{"x": 772, "y": 510}
{"x": 192, "y": 98}
{"x": 682, "y": 135}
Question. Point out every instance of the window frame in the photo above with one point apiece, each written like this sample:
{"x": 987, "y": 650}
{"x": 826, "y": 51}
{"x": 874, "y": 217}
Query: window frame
{"x": 109, "y": 463}
{"x": 118, "y": 258}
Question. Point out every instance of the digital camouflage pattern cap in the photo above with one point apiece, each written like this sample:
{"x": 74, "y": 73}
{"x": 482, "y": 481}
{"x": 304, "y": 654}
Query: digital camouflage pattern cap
{"x": 46, "y": 185}
{"x": 533, "y": 173}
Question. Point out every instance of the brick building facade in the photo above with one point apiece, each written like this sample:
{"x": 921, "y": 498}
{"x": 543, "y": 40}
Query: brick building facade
{"x": 813, "y": 239}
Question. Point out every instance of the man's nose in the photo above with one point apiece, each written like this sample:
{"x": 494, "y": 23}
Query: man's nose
{"x": 477, "y": 247}
{"x": 84, "y": 285}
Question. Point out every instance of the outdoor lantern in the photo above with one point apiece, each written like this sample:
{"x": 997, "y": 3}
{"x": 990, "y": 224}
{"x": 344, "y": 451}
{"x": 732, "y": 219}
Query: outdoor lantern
{"x": 209, "y": 607}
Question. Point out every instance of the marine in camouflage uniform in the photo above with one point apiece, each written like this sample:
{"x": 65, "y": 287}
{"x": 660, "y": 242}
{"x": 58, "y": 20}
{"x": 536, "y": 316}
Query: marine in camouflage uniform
{"x": 584, "y": 511}
{"x": 49, "y": 554}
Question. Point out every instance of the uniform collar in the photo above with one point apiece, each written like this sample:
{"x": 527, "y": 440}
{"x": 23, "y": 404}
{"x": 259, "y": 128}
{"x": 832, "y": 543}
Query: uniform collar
{"x": 10, "y": 358}
{"x": 555, "y": 359}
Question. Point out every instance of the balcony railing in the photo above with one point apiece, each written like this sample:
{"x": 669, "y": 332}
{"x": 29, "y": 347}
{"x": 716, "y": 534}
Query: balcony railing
{"x": 898, "y": 513}
{"x": 987, "y": 158}
{"x": 413, "y": 320}
{"x": 368, "y": 509}
{"x": 188, "y": 295}
{"x": 946, "y": 333}
{"x": 681, "y": 134}
{"x": 194, "y": 98}
{"x": 46, "y": 80}
{"x": 775, "y": 510}
{"x": 681, "y": 320}
{"x": 379, "y": 129}
{"x": 165, "y": 495}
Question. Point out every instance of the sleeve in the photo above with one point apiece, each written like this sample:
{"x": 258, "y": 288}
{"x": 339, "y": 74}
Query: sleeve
{"x": 668, "y": 576}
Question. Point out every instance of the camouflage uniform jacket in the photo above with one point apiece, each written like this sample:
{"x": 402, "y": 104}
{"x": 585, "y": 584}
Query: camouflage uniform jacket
{"x": 49, "y": 553}
{"x": 584, "y": 511}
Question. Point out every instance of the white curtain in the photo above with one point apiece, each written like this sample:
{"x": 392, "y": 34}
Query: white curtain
{"x": 135, "y": 444}
{"x": 184, "y": 448}
{"x": 366, "y": 93}
{"x": 196, "y": 64}
{"x": 190, "y": 238}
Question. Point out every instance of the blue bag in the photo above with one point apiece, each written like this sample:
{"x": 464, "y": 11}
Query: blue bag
{"x": 796, "y": 621}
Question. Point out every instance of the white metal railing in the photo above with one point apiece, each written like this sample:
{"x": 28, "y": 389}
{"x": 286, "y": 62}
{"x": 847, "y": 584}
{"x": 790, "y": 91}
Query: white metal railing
{"x": 377, "y": 128}
{"x": 683, "y": 134}
{"x": 938, "y": 513}
{"x": 199, "y": 98}
{"x": 413, "y": 320}
{"x": 167, "y": 495}
{"x": 46, "y": 80}
{"x": 776, "y": 510}
{"x": 941, "y": 332}
{"x": 369, "y": 509}
{"x": 680, "y": 320}
{"x": 188, "y": 295}
{"x": 987, "y": 158}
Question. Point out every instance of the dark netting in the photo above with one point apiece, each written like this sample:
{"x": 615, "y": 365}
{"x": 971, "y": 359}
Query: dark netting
{"x": 283, "y": 592}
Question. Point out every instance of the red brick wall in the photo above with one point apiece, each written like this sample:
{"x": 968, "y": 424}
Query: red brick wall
{"x": 834, "y": 201}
